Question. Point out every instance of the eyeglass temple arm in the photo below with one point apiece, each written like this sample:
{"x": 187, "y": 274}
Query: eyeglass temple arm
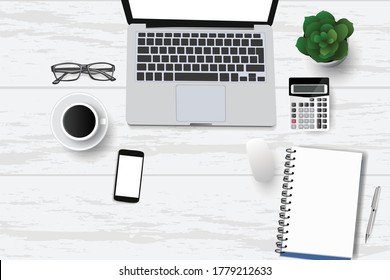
{"x": 59, "y": 79}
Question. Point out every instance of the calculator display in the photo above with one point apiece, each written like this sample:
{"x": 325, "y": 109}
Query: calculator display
{"x": 308, "y": 89}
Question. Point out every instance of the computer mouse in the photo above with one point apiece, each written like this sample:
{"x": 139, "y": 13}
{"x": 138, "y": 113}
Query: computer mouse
{"x": 261, "y": 160}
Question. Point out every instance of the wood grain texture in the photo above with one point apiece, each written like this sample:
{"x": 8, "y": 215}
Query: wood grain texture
{"x": 210, "y": 217}
{"x": 359, "y": 121}
{"x": 38, "y": 34}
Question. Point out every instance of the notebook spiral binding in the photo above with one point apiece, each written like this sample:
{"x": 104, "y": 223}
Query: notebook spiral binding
{"x": 284, "y": 207}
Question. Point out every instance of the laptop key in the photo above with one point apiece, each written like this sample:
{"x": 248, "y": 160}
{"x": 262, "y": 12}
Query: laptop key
{"x": 183, "y": 58}
{"x": 203, "y": 35}
{"x": 219, "y": 42}
{"x": 226, "y": 59}
{"x": 204, "y": 67}
{"x": 256, "y": 42}
{"x": 212, "y": 35}
{"x": 159, "y": 35}
{"x": 184, "y": 42}
{"x": 239, "y": 35}
{"x": 261, "y": 79}
{"x": 186, "y": 35}
{"x": 233, "y": 51}
{"x": 252, "y": 77}
{"x": 150, "y": 34}
{"x": 144, "y": 58}
{"x": 143, "y": 49}
{"x": 193, "y": 42}
{"x": 221, "y": 35}
{"x": 234, "y": 77}
{"x": 251, "y": 51}
{"x": 189, "y": 50}
{"x": 171, "y": 50}
{"x": 200, "y": 59}
{"x": 216, "y": 50}
{"x": 176, "y": 42}
{"x": 158, "y": 42}
{"x": 236, "y": 42}
{"x": 167, "y": 42}
{"x": 187, "y": 67}
{"x": 202, "y": 42}
{"x": 176, "y": 35}
{"x": 141, "y": 67}
{"x": 156, "y": 58}
{"x": 243, "y": 79}
{"x": 256, "y": 35}
{"x": 240, "y": 68}
{"x": 210, "y": 42}
{"x": 260, "y": 54}
{"x": 230, "y": 35}
{"x": 213, "y": 67}
{"x": 236, "y": 59}
{"x": 207, "y": 50}
{"x": 253, "y": 59}
{"x": 165, "y": 58}
{"x": 160, "y": 67}
{"x": 254, "y": 68}
{"x": 248, "y": 35}
{"x": 225, "y": 50}
{"x": 222, "y": 67}
{"x": 228, "y": 42}
{"x": 168, "y": 34}
{"x": 140, "y": 76}
{"x": 198, "y": 50}
{"x": 163, "y": 50}
{"x": 245, "y": 42}
{"x": 242, "y": 51}
{"x": 149, "y": 76}
{"x": 209, "y": 59}
{"x": 150, "y": 41}
{"x": 195, "y": 67}
{"x": 244, "y": 59}
{"x": 154, "y": 50}
{"x": 141, "y": 34}
{"x": 178, "y": 67}
{"x": 158, "y": 76}
{"x": 169, "y": 67}
{"x": 141, "y": 42}
{"x": 231, "y": 68}
{"x": 196, "y": 76}
{"x": 224, "y": 77}
{"x": 194, "y": 34}
{"x": 168, "y": 76}
{"x": 180, "y": 50}
{"x": 151, "y": 67}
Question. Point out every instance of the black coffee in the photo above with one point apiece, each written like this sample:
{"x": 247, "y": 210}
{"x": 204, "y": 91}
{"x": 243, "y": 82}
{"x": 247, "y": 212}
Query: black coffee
{"x": 79, "y": 121}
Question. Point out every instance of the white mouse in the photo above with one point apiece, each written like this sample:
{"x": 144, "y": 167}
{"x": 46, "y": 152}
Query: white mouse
{"x": 261, "y": 160}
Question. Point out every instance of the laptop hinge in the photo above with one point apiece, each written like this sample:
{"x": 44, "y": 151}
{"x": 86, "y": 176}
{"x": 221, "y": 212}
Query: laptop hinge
{"x": 208, "y": 24}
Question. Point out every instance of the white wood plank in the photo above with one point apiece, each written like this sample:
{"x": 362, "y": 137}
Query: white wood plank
{"x": 359, "y": 121}
{"x": 207, "y": 217}
{"x": 38, "y": 34}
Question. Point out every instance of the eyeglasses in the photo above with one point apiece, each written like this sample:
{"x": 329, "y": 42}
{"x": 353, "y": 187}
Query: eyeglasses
{"x": 68, "y": 71}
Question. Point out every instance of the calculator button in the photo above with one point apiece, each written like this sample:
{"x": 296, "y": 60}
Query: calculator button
{"x": 319, "y": 104}
{"x": 306, "y": 121}
{"x": 319, "y": 110}
{"x": 301, "y": 115}
{"x": 311, "y": 115}
{"x": 311, "y": 126}
{"x": 311, "y": 109}
{"x": 300, "y": 109}
{"x": 293, "y": 104}
{"x": 306, "y": 115}
{"x": 324, "y": 104}
{"x": 319, "y": 99}
{"x": 324, "y": 115}
{"x": 324, "y": 99}
{"x": 306, "y": 127}
{"x": 306, "y": 109}
{"x": 318, "y": 123}
{"x": 311, "y": 121}
{"x": 306, "y": 104}
{"x": 319, "y": 116}
{"x": 300, "y": 104}
{"x": 311, "y": 104}
{"x": 300, "y": 126}
{"x": 300, "y": 121}
{"x": 293, "y": 110}
{"x": 324, "y": 121}
{"x": 293, "y": 121}
{"x": 311, "y": 99}
{"x": 293, "y": 126}
{"x": 324, "y": 110}
{"x": 325, "y": 126}
{"x": 293, "y": 115}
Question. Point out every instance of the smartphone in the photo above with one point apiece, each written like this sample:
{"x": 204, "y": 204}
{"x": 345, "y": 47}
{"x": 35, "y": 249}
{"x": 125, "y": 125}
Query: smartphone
{"x": 128, "y": 176}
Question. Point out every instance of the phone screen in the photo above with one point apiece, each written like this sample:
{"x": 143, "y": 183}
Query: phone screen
{"x": 129, "y": 176}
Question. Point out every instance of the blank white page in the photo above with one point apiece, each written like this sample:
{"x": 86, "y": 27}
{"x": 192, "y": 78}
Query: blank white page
{"x": 323, "y": 203}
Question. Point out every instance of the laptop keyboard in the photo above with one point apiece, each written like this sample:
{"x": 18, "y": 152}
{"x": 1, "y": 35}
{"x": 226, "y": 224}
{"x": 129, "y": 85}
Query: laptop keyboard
{"x": 218, "y": 57}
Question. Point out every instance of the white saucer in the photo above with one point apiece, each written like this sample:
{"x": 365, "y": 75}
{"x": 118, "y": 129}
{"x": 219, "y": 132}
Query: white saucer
{"x": 56, "y": 119}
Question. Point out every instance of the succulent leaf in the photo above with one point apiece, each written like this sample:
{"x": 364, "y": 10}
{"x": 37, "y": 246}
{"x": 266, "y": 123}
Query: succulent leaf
{"x": 324, "y": 36}
{"x": 325, "y": 15}
{"x": 301, "y": 45}
{"x": 329, "y": 51}
{"x": 323, "y": 44}
{"x": 332, "y": 36}
{"x": 309, "y": 20}
{"x": 348, "y": 24}
{"x": 342, "y": 32}
{"x": 342, "y": 51}
{"x": 312, "y": 45}
{"x": 326, "y": 27}
{"x": 314, "y": 26}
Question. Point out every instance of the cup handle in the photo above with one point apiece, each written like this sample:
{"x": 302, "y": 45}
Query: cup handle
{"x": 103, "y": 121}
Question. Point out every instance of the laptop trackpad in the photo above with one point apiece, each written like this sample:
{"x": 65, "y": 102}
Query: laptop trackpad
{"x": 200, "y": 103}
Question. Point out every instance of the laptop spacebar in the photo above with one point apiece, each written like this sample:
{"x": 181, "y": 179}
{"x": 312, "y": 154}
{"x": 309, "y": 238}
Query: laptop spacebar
{"x": 196, "y": 77}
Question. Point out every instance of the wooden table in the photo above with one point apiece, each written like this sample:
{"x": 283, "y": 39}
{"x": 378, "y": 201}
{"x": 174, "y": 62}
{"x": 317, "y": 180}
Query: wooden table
{"x": 199, "y": 200}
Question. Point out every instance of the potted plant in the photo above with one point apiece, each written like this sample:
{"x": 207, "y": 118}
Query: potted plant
{"x": 324, "y": 39}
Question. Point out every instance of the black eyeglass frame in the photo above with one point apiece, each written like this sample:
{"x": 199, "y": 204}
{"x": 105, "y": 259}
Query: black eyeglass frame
{"x": 82, "y": 68}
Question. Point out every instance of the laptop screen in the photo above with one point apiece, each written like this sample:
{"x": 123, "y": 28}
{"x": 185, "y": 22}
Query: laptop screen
{"x": 209, "y": 10}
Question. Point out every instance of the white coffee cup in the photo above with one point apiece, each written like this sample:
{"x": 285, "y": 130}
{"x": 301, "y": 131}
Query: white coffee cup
{"x": 80, "y": 121}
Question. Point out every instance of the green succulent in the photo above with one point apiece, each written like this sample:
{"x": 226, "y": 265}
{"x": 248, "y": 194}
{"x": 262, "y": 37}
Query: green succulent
{"x": 324, "y": 39}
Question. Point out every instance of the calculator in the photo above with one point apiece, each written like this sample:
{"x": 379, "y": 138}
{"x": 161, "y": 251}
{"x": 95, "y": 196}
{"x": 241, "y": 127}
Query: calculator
{"x": 309, "y": 104}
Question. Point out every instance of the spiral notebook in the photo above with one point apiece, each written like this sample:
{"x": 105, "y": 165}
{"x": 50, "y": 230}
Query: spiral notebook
{"x": 319, "y": 204}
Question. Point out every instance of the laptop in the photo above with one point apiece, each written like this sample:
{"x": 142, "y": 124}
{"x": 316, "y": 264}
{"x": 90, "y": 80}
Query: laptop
{"x": 200, "y": 62}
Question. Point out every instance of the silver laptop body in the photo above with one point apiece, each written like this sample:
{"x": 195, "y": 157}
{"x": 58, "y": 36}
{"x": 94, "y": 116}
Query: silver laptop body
{"x": 199, "y": 72}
